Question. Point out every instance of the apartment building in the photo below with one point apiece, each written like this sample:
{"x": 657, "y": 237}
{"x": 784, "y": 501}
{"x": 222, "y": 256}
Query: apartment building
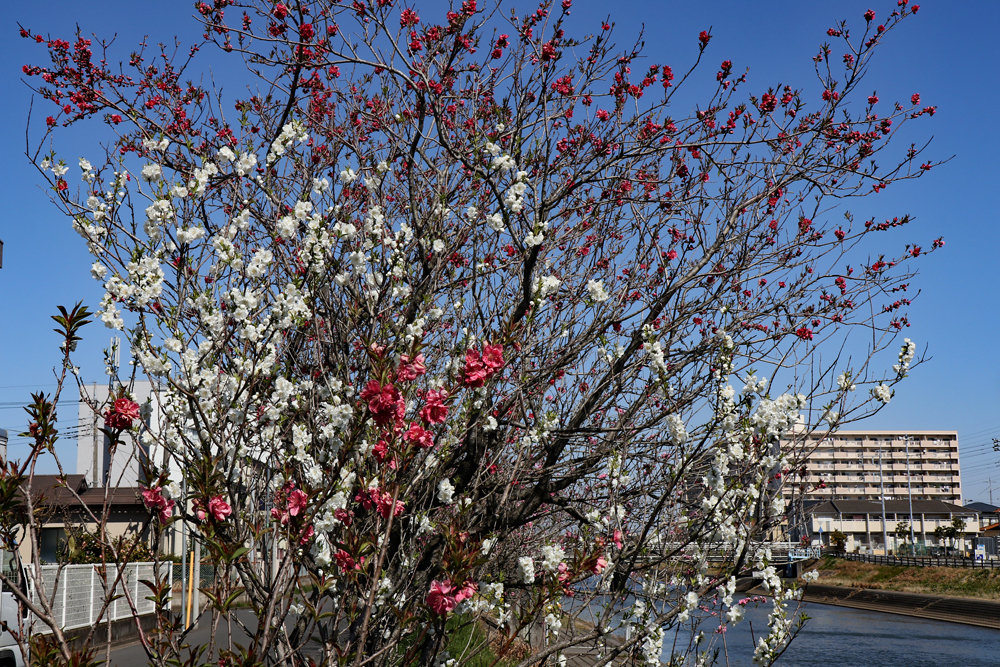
{"x": 870, "y": 465}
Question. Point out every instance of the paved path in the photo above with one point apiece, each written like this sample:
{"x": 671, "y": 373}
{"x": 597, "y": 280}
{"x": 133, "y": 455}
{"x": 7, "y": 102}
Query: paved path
{"x": 133, "y": 655}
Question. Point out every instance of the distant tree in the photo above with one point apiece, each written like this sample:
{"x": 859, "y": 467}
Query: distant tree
{"x": 838, "y": 541}
{"x": 902, "y": 532}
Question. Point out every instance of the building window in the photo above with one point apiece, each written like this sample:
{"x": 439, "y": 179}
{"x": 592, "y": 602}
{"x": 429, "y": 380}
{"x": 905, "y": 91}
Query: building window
{"x": 52, "y": 541}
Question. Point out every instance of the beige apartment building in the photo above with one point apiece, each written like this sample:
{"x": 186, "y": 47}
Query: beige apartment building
{"x": 867, "y": 465}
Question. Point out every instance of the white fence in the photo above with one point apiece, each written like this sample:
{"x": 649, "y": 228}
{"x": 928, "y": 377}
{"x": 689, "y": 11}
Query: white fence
{"x": 82, "y": 591}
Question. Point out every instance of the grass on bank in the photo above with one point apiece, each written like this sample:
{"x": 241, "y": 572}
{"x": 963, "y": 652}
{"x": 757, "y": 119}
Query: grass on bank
{"x": 467, "y": 636}
{"x": 961, "y": 582}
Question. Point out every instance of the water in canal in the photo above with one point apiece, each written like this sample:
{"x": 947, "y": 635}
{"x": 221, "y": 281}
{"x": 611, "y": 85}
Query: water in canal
{"x": 842, "y": 637}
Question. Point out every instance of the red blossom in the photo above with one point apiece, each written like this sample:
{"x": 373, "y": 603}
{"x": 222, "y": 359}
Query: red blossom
{"x": 704, "y": 37}
{"x": 408, "y": 17}
{"x": 870, "y": 15}
{"x": 768, "y": 103}
{"x": 345, "y": 561}
{"x": 122, "y": 414}
{"x": 384, "y": 402}
{"x": 435, "y": 411}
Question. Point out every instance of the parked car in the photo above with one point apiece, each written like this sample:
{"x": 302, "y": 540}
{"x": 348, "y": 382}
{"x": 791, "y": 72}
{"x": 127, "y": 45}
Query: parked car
{"x": 10, "y": 653}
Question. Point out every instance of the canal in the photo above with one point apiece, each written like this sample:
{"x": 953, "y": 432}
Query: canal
{"x": 843, "y": 637}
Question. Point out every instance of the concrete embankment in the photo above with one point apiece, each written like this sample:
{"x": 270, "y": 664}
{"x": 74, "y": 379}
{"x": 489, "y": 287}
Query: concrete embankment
{"x": 971, "y": 611}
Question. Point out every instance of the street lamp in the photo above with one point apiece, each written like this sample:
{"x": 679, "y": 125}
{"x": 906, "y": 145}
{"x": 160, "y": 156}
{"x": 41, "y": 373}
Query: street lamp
{"x": 909, "y": 495}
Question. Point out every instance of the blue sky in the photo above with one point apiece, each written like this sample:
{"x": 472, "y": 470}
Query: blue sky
{"x": 947, "y": 53}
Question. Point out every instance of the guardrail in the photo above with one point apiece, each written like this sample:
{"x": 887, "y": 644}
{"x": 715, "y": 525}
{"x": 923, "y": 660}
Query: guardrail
{"x": 921, "y": 561}
{"x": 79, "y": 592}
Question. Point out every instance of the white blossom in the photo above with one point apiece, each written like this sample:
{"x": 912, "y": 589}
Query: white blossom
{"x": 446, "y": 491}
{"x": 527, "y": 568}
{"x": 151, "y": 172}
{"x": 595, "y": 288}
{"x": 882, "y": 393}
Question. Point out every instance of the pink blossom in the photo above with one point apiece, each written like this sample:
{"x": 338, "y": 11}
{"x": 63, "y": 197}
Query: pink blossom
{"x": 493, "y": 358}
{"x": 599, "y": 565}
{"x": 410, "y": 370}
{"x": 468, "y": 589}
{"x": 617, "y": 539}
{"x": 219, "y": 508}
{"x": 297, "y": 500}
{"x": 440, "y": 597}
{"x": 294, "y": 503}
{"x": 385, "y": 505}
{"x": 475, "y": 373}
{"x": 419, "y": 436}
{"x": 154, "y": 500}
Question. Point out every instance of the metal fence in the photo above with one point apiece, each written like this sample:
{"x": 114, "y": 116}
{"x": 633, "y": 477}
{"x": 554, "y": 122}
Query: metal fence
{"x": 79, "y": 592}
{"x": 921, "y": 561}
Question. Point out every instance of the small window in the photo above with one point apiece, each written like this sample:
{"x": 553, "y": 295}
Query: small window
{"x": 52, "y": 541}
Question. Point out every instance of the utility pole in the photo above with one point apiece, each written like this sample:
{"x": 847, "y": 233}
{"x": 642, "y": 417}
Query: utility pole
{"x": 909, "y": 495}
{"x": 93, "y": 397}
{"x": 881, "y": 488}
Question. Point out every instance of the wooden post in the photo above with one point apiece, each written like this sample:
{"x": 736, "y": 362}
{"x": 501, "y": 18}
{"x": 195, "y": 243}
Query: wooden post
{"x": 187, "y": 609}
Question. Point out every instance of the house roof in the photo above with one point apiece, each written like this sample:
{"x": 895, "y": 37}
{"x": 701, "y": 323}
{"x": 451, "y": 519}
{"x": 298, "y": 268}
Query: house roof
{"x": 53, "y": 491}
{"x": 984, "y": 508}
{"x": 891, "y": 507}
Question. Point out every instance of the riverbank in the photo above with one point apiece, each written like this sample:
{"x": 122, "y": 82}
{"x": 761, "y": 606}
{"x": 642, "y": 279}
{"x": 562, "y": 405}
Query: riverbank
{"x": 937, "y": 581}
{"x": 968, "y": 611}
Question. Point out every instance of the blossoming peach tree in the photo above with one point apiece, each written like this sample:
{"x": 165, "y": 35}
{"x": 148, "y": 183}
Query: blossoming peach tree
{"x": 457, "y": 319}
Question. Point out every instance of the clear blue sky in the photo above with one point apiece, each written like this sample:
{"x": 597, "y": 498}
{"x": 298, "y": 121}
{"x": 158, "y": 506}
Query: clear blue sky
{"x": 947, "y": 53}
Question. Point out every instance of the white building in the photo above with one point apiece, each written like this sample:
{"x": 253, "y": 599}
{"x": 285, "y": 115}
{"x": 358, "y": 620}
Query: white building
{"x": 94, "y": 458}
{"x": 861, "y": 521}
